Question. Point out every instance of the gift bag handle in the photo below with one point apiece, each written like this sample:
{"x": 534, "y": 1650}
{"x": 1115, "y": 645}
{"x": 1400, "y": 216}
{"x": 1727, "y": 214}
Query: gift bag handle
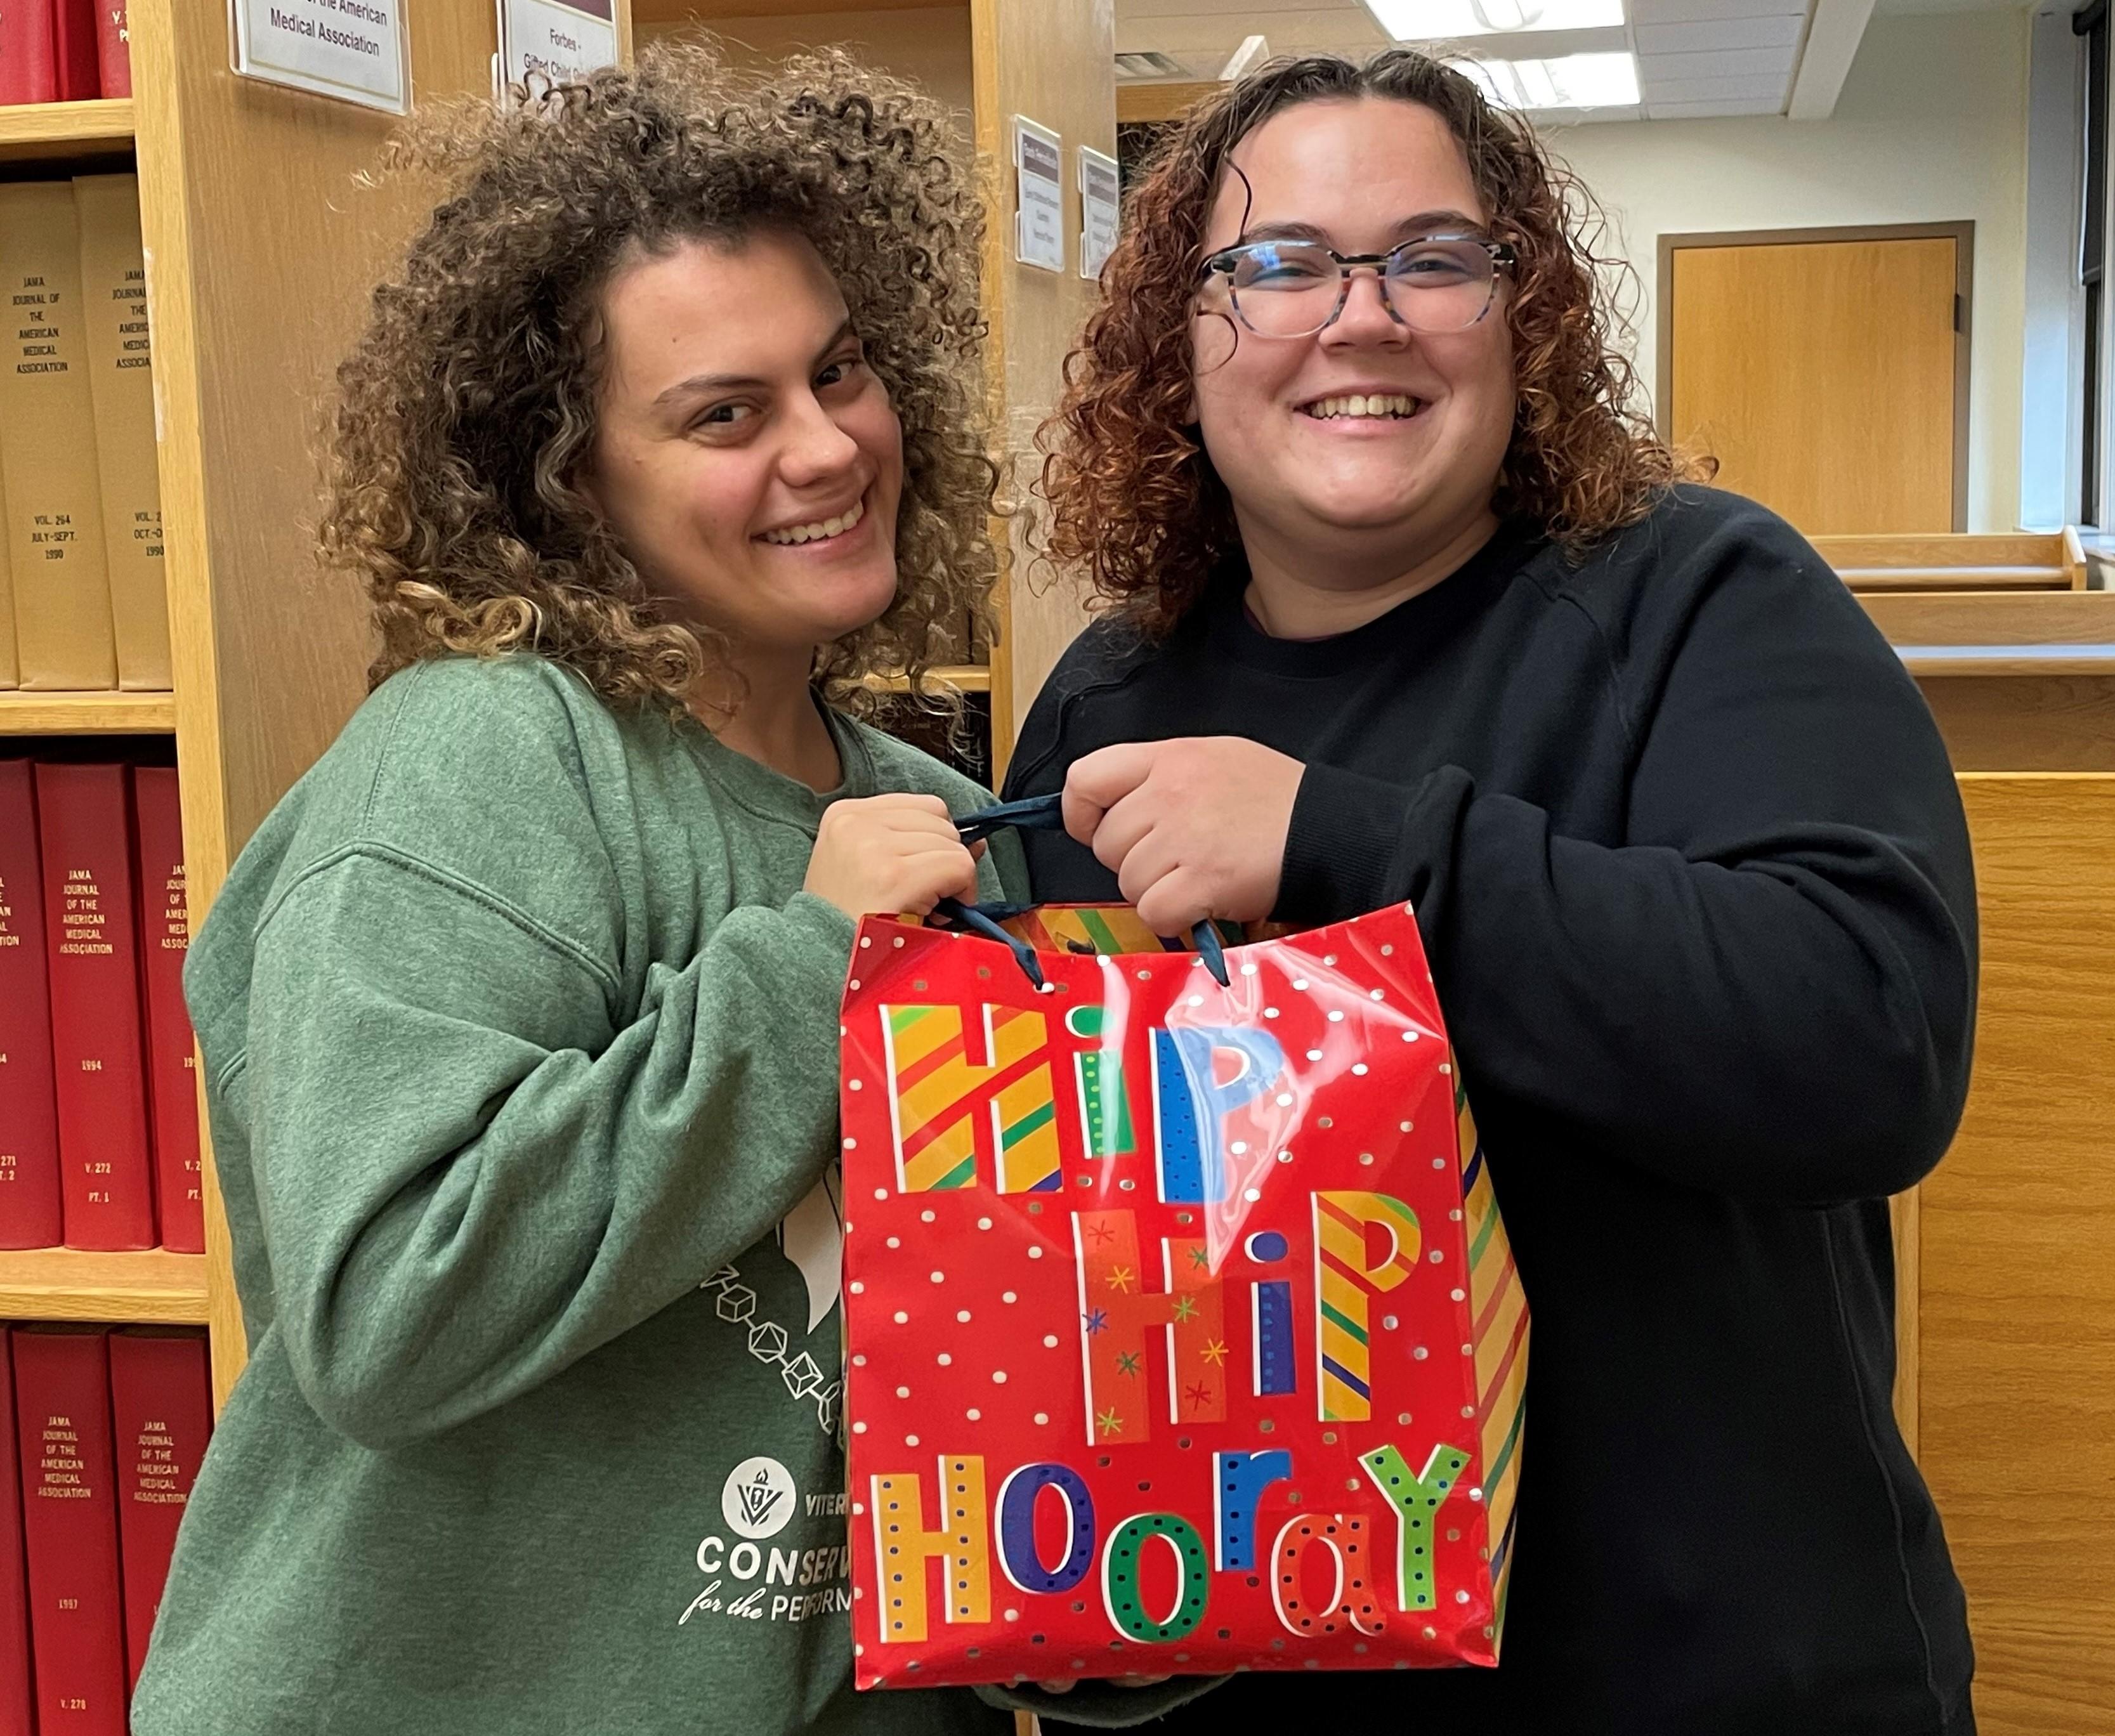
{"x": 984, "y": 919}
{"x": 1043, "y": 813}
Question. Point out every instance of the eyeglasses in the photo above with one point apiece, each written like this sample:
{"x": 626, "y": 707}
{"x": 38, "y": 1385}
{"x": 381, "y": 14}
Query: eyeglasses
{"x": 1294, "y": 289}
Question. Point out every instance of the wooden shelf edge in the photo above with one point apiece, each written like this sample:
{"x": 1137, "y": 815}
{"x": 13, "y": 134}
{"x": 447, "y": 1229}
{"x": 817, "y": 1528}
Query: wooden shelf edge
{"x": 968, "y": 678}
{"x": 1925, "y": 661}
{"x": 153, "y": 1287}
{"x": 672, "y": 15}
{"x": 1161, "y": 101}
{"x": 56, "y": 128}
{"x": 2105, "y": 779}
{"x": 1951, "y": 580}
{"x": 87, "y": 714}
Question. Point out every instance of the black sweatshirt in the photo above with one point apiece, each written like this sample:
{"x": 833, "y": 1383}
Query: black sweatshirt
{"x": 1694, "y": 881}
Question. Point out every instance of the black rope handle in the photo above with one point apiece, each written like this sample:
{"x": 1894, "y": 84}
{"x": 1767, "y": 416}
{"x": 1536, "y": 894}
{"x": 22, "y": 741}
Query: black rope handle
{"x": 1206, "y": 940}
{"x": 1033, "y": 813}
{"x": 984, "y": 919}
{"x": 1044, "y": 813}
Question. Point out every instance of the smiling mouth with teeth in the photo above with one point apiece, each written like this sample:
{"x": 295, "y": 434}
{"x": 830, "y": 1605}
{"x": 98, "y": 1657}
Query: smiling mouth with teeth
{"x": 1387, "y": 406}
{"x": 821, "y": 531}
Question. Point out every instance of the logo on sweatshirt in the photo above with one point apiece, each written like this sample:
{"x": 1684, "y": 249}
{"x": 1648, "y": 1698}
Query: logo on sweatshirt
{"x": 759, "y": 1498}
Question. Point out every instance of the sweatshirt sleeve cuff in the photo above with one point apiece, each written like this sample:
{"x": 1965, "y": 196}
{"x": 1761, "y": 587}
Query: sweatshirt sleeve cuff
{"x": 812, "y": 953}
{"x": 1357, "y": 843}
{"x": 830, "y": 925}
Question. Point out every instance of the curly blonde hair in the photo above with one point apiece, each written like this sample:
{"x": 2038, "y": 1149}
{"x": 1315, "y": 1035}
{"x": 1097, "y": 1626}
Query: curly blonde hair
{"x": 467, "y": 410}
{"x": 1133, "y": 497}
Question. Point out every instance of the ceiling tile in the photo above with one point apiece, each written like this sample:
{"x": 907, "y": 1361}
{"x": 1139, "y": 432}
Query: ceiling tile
{"x": 1683, "y": 11}
{"x": 1714, "y": 109}
{"x": 1705, "y": 34}
{"x": 1773, "y": 62}
{"x": 1657, "y": 91}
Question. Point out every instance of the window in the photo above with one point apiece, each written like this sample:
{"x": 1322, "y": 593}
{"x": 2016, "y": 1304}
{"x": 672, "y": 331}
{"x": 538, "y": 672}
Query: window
{"x": 2092, "y": 24}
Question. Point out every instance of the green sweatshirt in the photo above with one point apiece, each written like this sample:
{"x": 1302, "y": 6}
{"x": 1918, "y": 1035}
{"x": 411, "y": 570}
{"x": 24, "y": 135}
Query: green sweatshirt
{"x": 521, "y": 1051}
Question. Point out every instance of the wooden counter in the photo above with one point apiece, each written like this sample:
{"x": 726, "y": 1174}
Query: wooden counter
{"x": 2005, "y": 1290}
{"x": 2018, "y": 681}
{"x": 2012, "y": 1299}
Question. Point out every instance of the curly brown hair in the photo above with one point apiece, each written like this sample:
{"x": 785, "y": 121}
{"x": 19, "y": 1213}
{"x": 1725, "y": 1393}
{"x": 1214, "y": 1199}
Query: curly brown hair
{"x": 467, "y": 410}
{"x": 1133, "y": 497}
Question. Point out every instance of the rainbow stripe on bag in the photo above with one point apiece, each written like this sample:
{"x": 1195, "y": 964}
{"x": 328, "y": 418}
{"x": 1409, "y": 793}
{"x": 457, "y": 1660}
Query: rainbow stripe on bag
{"x": 1344, "y": 1284}
{"x": 1497, "y": 1312}
{"x": 940, "y": 1090}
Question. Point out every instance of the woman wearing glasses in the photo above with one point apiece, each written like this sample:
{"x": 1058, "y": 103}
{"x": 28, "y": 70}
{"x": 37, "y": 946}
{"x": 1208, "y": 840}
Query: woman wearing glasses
{"x": 1408, "y": 604}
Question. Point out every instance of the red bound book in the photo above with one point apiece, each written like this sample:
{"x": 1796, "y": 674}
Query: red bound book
{"x": 18, "y": 1711}
{"x": 73, "y": 28}
{"x": 165, "y": 934}
{"x": 28, "y": 1115}
{"x": 70, "y": 1524}
{"x": 161, "y": 1404}
{"x": 28, "y": 58}
{"x": 106, "y": 1176}
{"x": 113, "y": 48}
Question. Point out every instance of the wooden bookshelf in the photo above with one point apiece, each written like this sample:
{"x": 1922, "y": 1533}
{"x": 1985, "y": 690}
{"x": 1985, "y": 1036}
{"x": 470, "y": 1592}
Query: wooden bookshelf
{"x": 265, "y": 244}
{"x": 155, "y": 1287}
{"x": 252, "y": 206}
{"x": 65, "y": 129}
{"x": 87, "y": 714}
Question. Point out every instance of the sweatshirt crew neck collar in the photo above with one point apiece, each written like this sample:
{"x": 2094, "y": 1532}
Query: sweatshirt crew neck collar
{"x": 762, "y": 790}
{"x": 1235, "y": 633}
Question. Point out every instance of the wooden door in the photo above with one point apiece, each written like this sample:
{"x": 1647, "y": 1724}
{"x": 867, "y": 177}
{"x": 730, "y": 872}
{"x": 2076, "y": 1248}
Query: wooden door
{"x": 1825, "y": 376}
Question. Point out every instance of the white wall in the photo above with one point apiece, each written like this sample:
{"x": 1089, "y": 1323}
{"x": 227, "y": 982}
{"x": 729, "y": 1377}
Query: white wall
{"x": 1932, "y": 127}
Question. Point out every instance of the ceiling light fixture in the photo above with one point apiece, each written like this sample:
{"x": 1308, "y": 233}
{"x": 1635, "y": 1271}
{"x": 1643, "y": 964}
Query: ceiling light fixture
{"x": 1570, "y": 81}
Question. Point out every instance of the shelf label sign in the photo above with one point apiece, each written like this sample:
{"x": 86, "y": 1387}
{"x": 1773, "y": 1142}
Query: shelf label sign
{"x": 354, "y": 50}
{"x": 1039, "y": 162}
{"x": 560, "y": 40}
{"x": 1100, "y": 199}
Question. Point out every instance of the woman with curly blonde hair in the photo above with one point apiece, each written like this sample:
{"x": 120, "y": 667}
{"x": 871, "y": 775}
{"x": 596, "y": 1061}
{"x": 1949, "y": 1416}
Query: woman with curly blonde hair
{"x": 519, "y": 1013}
{"x": 1406, "y": 602}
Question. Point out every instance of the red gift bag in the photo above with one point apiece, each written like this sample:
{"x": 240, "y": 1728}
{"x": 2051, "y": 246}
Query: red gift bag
{"x": 1182, "y": 1333}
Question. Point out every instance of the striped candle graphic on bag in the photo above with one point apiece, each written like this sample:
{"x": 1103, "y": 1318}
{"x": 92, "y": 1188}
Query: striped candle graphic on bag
{"x": 1346, "y": 1276}
{"x": 936, "y": 1093}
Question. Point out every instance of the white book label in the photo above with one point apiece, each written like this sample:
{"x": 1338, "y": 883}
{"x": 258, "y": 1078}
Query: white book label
{"x": 1039, "y": 162}
{"x": 354, "y": 50}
